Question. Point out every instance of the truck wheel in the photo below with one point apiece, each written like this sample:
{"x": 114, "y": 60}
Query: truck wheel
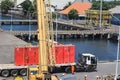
{"x": 23, "y": 72}
{"x": 5, "y": 73}
{"x": 68, "y": 69}
{"x": 51, "y": 69}
{"x": 14, "y": 72}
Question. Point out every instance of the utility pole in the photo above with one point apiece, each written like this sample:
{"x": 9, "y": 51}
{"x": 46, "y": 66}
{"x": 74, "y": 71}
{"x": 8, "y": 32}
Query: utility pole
{"x": 15, "y": 3}
{"x": 100, "y": 13}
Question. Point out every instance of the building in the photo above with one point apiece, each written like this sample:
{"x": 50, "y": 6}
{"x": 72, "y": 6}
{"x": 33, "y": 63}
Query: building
{"x": 81, "y": 7}
{"x": 115, "y": 15}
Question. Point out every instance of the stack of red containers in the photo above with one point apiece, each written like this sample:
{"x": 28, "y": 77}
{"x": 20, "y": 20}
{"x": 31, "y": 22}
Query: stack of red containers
{"x": 29, "y": 55}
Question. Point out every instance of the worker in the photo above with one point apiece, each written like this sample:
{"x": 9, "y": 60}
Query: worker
{"x": 72, "y": 69}
{"x": 85, "y": 78}
{"x": 97, "y": 78}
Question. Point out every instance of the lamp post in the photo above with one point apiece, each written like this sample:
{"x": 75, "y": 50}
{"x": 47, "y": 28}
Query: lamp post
{"x": 11, "y": 20}
{"x": 0, "y": 14}
{"x": 116, "y": 72}
{"x": 56, "y": 24}
{"x": 100, "y": 13}
{"x": 118, "y": 51}
{"x": 29, "y": 37}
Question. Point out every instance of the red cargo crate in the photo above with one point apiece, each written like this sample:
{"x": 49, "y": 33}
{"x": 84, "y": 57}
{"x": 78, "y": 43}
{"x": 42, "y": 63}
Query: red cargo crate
{"x": 69, "y": 53}
{"x": 29, "y": 55}
{"x": 32, "y": 53}
{"x": 35, "y": 56}
{"x": 19, "y": 56}
{"x": 66, "y": 54}
{"x": 59, "y": 54}
{"x": 72, "y": 53}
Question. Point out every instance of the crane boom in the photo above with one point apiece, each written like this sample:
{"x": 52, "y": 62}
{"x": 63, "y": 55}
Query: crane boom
{"x": 42, "y": 38}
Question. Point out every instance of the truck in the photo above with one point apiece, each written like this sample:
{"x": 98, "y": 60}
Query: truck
{"x": 64, "y": 56}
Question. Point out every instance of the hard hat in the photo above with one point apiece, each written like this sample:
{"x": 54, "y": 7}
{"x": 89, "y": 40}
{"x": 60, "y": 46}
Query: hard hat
{"x": 85, "y": 75}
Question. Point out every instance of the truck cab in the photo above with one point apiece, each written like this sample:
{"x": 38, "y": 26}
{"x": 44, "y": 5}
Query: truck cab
{"x": 89, "y": 59}
{"x": 87, "y": 62}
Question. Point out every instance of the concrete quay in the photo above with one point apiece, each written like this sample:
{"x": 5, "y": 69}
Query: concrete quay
{"x": 7, "y": 44}
{"x": 102, "y": 70}
{"x": 105, "y": 68}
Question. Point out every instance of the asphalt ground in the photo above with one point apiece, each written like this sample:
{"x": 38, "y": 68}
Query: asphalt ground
{"x": 107, "y": 68}
{"x": 7, "y": 44}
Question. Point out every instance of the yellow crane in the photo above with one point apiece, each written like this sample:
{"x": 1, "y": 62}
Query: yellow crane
{"x": 45, "y": 38}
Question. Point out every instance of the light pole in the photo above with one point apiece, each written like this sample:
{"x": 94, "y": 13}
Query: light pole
{"x": 29, "y": 28}
{"x": 56, "y": 24}
{"x": 116, "y": 72}
{"x": 118, "y": 51}
{"x": 100, "y": 13}
{"x": 0, "y": 14}
{"x": 11, "y": 20}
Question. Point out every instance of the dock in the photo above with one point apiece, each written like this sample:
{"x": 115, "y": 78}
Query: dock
{"x": 7, "y": 44}
{"x": 103, "y": 69}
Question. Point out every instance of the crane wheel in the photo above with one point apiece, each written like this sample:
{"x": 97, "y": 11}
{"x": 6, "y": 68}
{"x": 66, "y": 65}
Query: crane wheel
{"x": 23, "y": 72}
{"x": 18, "y": 78}
{"x": 5, "y": 73}
{"x": 14, "y": 72}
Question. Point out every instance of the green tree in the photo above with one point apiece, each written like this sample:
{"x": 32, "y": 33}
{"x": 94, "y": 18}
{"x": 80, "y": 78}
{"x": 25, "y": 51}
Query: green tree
{"x": 67, "y": 5}
{"x": 105, "y": 5}
{"x": 28, "y": 7}
{"x": 73, "y": 14}
{"x": 96, "y": 5}
{"x": 6, "y": 5}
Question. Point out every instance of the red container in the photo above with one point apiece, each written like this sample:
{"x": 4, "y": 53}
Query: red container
{"x": 66, "y": 54}
{"x": 36, "y": 55}
{"x": 59, "y": 54}
{"x": 29, "y": 55}
{"x": 72, "y": 53}
{"x": 19, "y": 56}
{"x": 69, "y": 53}
{"x": 32, "y": 54}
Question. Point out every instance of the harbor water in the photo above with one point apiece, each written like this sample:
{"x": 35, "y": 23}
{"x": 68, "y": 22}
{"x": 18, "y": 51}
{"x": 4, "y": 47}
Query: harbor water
{"x": 103, "y": 49}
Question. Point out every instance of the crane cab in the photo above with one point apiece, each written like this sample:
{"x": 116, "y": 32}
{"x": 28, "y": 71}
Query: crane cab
{"x": 32, "y": 73}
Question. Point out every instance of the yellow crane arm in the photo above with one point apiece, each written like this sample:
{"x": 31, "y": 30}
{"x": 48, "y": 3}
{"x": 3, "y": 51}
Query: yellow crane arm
{"x": 42, "y": 37}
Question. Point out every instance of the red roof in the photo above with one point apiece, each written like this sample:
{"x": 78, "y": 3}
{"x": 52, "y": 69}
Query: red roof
{"x": 79, "y": 6}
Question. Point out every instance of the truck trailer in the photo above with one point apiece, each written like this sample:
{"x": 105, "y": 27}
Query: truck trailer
{"x": 25, "y": 57}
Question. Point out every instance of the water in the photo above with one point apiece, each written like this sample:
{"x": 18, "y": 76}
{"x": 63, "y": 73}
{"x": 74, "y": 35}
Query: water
{"x": 17, "y": 27}
{"x": 103, "y": 49}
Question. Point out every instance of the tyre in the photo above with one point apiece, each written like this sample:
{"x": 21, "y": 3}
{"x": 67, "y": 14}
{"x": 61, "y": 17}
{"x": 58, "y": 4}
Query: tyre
{"x": 51, "y": 69}
{"x": 68, "y": 69}
{"x": 14, "y": 72}
{"x": 23, "y": 72}
{"x": 5, "y": 73}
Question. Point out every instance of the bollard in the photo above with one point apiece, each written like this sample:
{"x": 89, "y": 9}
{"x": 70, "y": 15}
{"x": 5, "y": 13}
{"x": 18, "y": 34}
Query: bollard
{"x": 85, "y": 78}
